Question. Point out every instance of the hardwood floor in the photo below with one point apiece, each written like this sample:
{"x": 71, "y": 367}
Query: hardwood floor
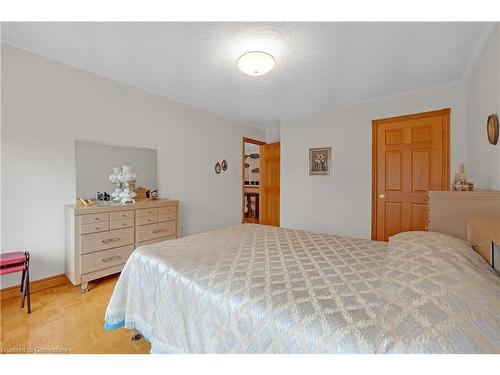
{"x": 64, "y": 321}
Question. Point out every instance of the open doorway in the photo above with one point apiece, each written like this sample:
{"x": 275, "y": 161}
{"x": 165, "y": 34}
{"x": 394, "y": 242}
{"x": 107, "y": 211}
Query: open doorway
{"x": 261, "y": 182}
{"x": 251, "y": 180}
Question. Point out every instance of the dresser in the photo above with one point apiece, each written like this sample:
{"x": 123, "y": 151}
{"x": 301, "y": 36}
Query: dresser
{"x": 483, "y": 233}
{"x": 100, "y": 238}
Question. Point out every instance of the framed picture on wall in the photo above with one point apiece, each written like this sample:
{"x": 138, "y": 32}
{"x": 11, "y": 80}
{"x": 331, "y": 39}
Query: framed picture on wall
{"x": 319, "y": 161}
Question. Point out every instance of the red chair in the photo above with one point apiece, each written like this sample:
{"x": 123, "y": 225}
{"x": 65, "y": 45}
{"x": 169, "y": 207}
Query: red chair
{"x": 16, "y": 262}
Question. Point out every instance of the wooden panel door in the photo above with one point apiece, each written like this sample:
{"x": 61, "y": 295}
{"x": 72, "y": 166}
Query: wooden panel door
{"x": 411, "y": 157}
{"x": 270, "y": 184}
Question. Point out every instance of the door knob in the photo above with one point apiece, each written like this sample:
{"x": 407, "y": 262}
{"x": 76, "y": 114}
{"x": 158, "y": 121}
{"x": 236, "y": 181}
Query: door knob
{"x": 382, "y": 196}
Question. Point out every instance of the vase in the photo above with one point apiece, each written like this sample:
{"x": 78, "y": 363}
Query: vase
{"x": 115, "y": 180}
{"x": 127, "y": 177}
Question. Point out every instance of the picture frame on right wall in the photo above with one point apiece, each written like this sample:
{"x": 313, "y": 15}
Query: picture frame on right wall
{"x": 319, "y": 161}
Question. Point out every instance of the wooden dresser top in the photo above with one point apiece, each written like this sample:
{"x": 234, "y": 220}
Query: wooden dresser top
{"x": 140, "y": 204}
{"x": 488, "y": 226}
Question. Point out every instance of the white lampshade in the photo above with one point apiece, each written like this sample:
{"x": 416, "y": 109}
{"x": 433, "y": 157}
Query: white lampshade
{"x": 256, "y": 63}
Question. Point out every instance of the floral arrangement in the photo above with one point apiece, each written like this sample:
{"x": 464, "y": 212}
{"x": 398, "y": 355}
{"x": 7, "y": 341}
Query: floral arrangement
{"x": 460, "y": 182}
{"x": 319, "y": 158}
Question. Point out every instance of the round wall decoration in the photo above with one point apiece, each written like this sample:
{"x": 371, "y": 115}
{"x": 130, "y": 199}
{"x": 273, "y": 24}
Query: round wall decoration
{"x": 217, "y": 168}
{"x": 492, "y": 128}
{"x": 224, "y": 165}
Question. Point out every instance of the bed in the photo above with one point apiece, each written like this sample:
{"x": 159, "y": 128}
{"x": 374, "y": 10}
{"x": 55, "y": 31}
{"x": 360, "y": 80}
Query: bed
{"x": 258, "y": 289}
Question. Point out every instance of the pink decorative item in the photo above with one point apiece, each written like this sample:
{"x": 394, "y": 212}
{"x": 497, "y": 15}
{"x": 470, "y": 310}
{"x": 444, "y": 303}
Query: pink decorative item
{"x": 460, "y": 182}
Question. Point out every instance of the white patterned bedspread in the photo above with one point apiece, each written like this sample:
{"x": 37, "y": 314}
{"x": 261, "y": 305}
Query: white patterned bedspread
{"x": 258, "y": 289}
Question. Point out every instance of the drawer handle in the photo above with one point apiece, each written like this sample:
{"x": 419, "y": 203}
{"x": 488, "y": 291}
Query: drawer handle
{"x": 124, "y": 215}
{"x": 111, "y": 240}
{"x": 110, "y": 259}
{"x": 475, "y": 247}
{"x": 97, "y": 219}
{"x": 124, "y": 224}
{"x": 156, "y": 231}
{"x": 97, "y": 228}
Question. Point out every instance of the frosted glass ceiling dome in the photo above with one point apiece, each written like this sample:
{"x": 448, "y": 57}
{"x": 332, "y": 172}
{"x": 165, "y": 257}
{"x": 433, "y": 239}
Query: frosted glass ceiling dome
{"x": 256, "y": 63}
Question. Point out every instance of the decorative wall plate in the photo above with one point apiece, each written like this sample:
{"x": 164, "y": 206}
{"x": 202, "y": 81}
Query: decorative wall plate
{"x": 492, "y": 128}
{"x": 217, "y": 168}
{"x": 224, "y": 165}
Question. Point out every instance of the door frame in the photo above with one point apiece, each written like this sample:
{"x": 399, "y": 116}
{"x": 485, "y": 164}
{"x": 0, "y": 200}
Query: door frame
{"x": 446, "y": 153}
{"x": 243, "y": 141}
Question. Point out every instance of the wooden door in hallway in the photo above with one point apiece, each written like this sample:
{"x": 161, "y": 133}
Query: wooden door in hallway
{"x": 270, "y": 184}
{"x": 410, "y": 157}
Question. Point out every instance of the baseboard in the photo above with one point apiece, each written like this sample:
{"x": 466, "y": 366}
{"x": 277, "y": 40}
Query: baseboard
{"x": 35, "y": 286}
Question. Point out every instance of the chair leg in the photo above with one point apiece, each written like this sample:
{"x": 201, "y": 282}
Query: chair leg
{"x": 28, "y": 288}
{"x": 23, "y": 289}
{"x": 22, "y": 280}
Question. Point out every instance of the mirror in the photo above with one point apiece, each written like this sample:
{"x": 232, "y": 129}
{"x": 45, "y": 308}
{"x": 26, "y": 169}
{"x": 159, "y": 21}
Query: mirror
{"x": 95, "y": 162}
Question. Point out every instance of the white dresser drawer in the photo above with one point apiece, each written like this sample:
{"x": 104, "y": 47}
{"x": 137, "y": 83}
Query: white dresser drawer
{"x": 143, "y": 220}
{"x": 119, "y": 224}
{"x": 93, "y": 218}
{"x": 156, "y": 240}
{"x": 147, "y": 212}
{"x": 106, "y": 240}
{"x": 104, "y": 259}
{"x": 166, "y": 217}
{"x": 167, "y": 213}
{"x": 120, "y": 215}
{"x": 167, "y": 210}
{"x": 154, "y": 231}
{"x": 92, "y": 228}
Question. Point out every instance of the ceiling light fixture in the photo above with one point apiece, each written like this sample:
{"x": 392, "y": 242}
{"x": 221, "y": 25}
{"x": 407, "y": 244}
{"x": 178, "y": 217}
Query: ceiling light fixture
{"x": 256, "y": 63}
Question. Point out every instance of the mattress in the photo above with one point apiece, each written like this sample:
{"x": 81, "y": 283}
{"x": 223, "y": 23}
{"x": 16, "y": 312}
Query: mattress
{"x": 258, "y": 289}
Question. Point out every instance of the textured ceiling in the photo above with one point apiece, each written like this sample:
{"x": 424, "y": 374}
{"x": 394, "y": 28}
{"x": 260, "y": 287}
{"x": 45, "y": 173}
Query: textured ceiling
{"x": 319, "y": 65}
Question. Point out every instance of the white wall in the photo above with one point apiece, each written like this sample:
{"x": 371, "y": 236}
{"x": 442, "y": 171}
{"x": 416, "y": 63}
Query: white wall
{"x": 341, "y": 203}
{"x": 483, "y": 92}
{"x": 272, "y": 135}
{"x": 46, "y": 106}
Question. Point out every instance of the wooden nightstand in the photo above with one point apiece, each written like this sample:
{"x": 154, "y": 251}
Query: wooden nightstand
{"x": 483, "y": 233}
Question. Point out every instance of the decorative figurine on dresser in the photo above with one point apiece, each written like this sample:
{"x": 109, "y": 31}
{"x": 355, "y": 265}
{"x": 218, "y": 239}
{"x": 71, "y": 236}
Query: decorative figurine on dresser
{"x": 460, "y": 182}
{"x": 101, "y": 236}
